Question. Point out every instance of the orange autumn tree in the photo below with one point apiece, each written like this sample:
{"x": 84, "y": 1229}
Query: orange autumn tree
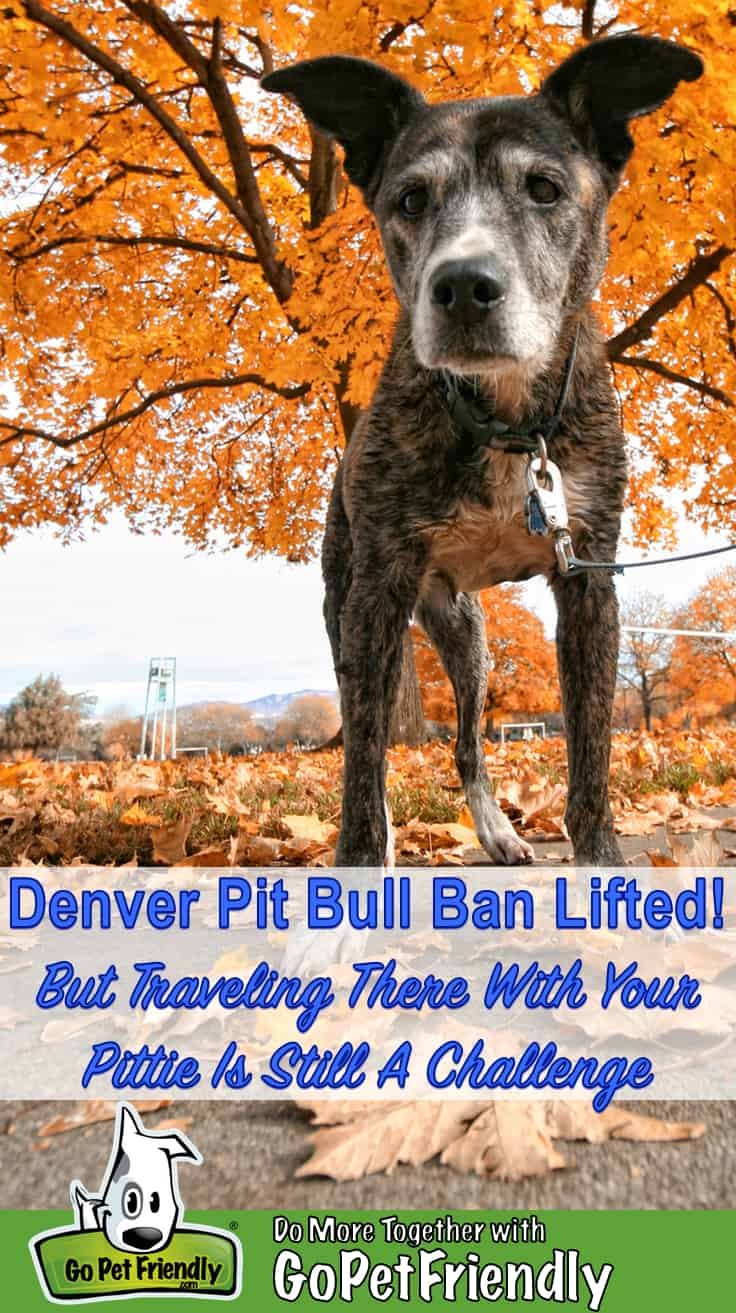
{"x": 702, "y": 682}
{"x": 523, "y": 669}
{"x": 193, "y": 307}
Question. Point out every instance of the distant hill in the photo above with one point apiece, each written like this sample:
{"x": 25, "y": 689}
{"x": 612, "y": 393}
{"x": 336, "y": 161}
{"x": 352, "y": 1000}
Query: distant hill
{"x": 270, "y": 707}
{"x": 273, "y": 705}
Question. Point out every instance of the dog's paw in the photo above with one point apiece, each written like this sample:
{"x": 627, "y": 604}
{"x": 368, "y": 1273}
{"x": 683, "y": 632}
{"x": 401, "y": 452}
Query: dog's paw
{"x": 505, "y": 848}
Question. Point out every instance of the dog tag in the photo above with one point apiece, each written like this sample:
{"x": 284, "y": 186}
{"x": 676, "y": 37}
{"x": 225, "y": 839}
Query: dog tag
{"x": 546, "y": 509}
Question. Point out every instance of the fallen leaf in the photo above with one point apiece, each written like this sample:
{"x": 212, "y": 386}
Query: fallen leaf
{"x": 137, "y": 815}
{"x": 205, "y": 857}
{"x": 91, "y": 1111}
{"x": 170, "y": 841}
{"x": 310, "y": 827}
{"x": 62, "y": 1028}
{"x": 505, "y": 1140}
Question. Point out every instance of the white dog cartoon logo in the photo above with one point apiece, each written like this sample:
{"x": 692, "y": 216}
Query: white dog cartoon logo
{"x": 138, "y": 1206}
{"x": 130, "y": 1239}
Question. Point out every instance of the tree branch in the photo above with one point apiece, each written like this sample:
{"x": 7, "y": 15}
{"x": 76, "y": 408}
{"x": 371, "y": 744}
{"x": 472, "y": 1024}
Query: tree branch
{"x": 323, "y": 178}
{"x": 587, "y": 21}
{"x": 728, "y": 315}
{"x": 112, "y": 239}
{"x": 212, "y": 79}
{"x": 15, "y": 432}
{"x": 656, "y": 367}
{"x": 700, "y": 269}
{"x": 275, "y": 273}
{"x": 290, "y": 163}
{"x": 397, "y": 29}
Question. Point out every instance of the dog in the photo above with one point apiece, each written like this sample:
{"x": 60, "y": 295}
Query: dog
{"x": 138, "y": 1206}
{"x": 492, "y": 216}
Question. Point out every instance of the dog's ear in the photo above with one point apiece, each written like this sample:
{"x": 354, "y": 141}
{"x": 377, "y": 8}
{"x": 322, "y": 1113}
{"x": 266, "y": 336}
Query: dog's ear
{"x": 129, "y": 1128}
{"x": 177, "y": 1145}
{"x": 359, "y": 103}
{"x": 607, "y": 83}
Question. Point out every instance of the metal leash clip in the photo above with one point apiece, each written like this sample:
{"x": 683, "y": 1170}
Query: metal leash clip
{"x": 545, "y": 507}
{"x": 564, "y": 551}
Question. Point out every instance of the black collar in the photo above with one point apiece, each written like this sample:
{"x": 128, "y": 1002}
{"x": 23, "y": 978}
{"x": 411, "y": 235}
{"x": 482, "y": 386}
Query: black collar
{"x": 477, "y": 424}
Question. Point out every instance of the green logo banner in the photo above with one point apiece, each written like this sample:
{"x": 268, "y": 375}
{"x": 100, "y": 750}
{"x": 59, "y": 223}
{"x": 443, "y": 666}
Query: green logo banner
{"x": 361, "y": 1262}
{"x": 75, "y": 1266}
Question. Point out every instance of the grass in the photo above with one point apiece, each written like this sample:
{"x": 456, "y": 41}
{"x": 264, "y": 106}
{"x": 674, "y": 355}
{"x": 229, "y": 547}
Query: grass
{"x": 722, "y": 770}
{"x": 427, "y": 802}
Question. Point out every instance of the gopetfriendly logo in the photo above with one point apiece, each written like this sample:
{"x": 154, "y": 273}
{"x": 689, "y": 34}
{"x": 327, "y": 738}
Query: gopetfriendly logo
{"x": 128, "y": 1240}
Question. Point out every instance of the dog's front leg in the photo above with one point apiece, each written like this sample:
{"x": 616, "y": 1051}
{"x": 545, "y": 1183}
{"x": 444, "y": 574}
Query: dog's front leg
{"x": 457, "y": 627}
{"x": 373, "y": 623}
{"x": 587, "y": 654}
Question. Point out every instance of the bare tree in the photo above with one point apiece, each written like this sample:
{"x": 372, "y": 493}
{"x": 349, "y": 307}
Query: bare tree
{"x": 309, "y": 720}
{"x": 645, "y": 658}
{"x": 121, "y": 735}
{"x": 219, "y": 726}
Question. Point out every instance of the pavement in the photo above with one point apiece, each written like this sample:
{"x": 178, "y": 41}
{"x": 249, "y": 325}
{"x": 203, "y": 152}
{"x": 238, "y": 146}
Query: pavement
{"x": 251, "y": 1151}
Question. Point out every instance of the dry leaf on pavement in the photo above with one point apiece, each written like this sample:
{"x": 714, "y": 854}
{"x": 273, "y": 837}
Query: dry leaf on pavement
{"x": 505, "y": 1140}
{"x": 91, "y": 1111}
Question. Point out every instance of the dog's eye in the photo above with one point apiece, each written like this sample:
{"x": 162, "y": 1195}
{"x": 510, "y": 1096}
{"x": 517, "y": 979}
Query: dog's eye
{"x": 414, "y": 202}
{"x": 132, "y": 1200}
{"x": 542, "y": 190}
{"x": 155, "y": 1201}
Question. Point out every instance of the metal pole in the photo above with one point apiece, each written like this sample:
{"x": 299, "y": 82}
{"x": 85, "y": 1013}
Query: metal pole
{"x": 164, "y": 709}
{"x": 160, "y": 711}
{"x": 173, "y": 714}
{"x": 686, "y": 633}
{"x": 144, "y": 726}
{"x": 154, "y": 727}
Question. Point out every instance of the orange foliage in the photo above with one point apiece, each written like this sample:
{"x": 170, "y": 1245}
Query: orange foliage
{"x": 523, "y": 669}
{"x": 189, "y": 320}
{"x": 703, "y": 670}
{"x": 283, "y": 809}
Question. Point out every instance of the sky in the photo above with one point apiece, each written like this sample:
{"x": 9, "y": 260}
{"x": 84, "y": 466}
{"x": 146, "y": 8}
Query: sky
{"x": 95, "y": 612}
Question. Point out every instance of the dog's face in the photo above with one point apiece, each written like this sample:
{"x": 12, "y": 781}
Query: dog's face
{"x": 493, "y": 223}
{"x": 492, "y": 213}
{"x": 140, "y": 1202}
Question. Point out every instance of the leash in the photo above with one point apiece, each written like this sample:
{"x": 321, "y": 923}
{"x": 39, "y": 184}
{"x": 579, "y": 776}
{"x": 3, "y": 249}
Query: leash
{"x": 546, "y": 512}
{"x": 575, "y": 563}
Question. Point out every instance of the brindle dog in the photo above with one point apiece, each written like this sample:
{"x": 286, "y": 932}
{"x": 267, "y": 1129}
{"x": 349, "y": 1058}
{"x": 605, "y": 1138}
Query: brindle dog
{"x": 492, "y": 215}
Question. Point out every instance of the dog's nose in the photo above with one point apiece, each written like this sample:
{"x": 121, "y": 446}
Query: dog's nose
{"x": 142, "y": 1237}
{"x": 467, "y": 289}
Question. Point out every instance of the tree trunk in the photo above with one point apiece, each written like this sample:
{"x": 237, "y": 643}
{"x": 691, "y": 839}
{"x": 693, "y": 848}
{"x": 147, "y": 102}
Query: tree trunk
{"x": 407, "y": 721}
